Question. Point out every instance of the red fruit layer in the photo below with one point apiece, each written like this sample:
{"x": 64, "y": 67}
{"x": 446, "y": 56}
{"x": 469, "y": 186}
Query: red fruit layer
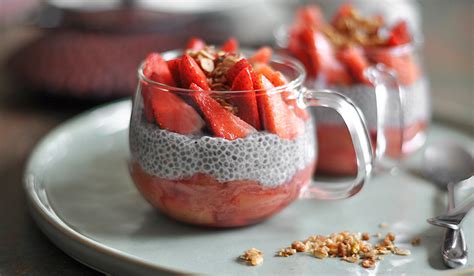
{"x": 336, "y": 154}
{"x": 203, "y": 200}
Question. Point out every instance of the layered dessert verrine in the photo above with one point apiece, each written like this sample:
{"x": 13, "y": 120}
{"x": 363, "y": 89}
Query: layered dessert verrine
{"x": 216, "y": 138}
{"x": 336, "y": 55}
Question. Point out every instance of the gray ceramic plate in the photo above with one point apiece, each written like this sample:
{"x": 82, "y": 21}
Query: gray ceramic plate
{"x": 82, "y": 197}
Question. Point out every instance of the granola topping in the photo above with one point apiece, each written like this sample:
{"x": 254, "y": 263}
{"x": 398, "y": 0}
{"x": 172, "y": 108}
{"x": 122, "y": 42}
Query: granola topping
{"x": 252, "y": 257}
{"x": 349, "y": 247}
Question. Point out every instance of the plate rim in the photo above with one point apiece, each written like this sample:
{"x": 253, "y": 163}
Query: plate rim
{"x": 53, "y": 226}
{"x": 44, "y": 214}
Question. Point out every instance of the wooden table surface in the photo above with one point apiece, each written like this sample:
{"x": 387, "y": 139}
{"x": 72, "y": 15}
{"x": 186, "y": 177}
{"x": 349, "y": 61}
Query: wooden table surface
{"x": 24, "y": 119}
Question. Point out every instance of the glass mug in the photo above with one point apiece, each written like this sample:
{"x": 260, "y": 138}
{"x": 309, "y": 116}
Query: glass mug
{"x": 211, "y": 181}
{"x": 395, "y": 105}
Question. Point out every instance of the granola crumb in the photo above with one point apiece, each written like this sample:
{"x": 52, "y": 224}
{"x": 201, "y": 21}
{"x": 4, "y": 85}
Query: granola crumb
{"x": 401, "y": 251}
{"x": 286, "y": 252}
{"x": 390, "y": 236}
{"x": 365, "y": 236}
{"x": 252, "y": 257}
{"x": 298, "y": 246}
{"x": 416, "y": 241}
{"x": 368, "y": 263}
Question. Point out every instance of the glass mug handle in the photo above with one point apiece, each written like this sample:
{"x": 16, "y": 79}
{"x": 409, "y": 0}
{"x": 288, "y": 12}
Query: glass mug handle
{"x": 388, "y": 96}
{"x": 355, "y": 122}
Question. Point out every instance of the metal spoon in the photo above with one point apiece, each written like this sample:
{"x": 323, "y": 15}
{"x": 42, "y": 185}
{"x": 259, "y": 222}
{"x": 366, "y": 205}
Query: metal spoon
{"x": 454, "y": 217}
{"x": 447, "y": 165}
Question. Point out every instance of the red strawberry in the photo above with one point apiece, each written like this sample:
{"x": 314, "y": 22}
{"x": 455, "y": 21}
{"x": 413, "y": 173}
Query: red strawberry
{"x": 173, "y": 66}
{"x": 344, "y": 11}
{"x": 231, "y": 45}
{"x": 407, "y": 69}
{"x": 318, "y": 50}
{"x": 190, "y": 72}
{"x": 262, "y": 55}
{"x": 277, "y": 79}
{"x": 355, "y": 61}
{"x": 173, "y": 114}
{"x": 276, "y": 115}
{"x": 221, "y": 121}
{"x": 236, "y": 68}
{"x": 335, "y": 73}
{"x": 147, "y": 109}
{"x": 195, "y": 44}
{"x": 156, "y": 69}
{"x": 399, "y": 34}
{"x": 309, "y": 15}
{"x": 246, "y": 102}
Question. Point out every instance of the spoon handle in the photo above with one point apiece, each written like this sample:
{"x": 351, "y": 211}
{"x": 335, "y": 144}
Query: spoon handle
{"x": 454, "y": 248}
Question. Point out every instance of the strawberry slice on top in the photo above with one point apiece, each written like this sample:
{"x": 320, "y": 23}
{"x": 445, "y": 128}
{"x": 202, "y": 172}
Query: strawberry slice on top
{"x": 278, "y": 79}
{"x": 220, "y": 120}
{"x": 173, "y": 113}
{"x": 262, "y": 55}
{"x": 236, "y": 68}
{"x": 399, "y": 34}
{"x": 231, "y": 45}
{"x": 190, "y": 72}
{"x": 195, "y": 44}
{"x": 173, "y": 66}
{"x": 276, "y": 115}
{"x": 155, "y": 69}
{"x": 356, "y": 62}
{"x": 246, "y": 102}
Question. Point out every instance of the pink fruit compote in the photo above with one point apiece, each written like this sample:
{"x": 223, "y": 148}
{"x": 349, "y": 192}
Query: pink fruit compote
{"x": 336, "y": 55}
{"x": 218, "y": 158}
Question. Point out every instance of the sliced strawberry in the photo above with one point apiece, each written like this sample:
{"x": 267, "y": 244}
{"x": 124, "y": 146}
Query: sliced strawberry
{"x": 156, "y": 69}
{"x": 173, "y": 66}
{"x": 278, "y": 79}
{"x": 262, "y": 55}
{"x": 318, "y": 49}
{"x": 399, "y": 34}
{"x": 173, "y": 113}
{"x": 195, "y": 44}
{"x": 231, "y": 45}
{"x": 147, "y": 109}
{"x": 403, "y": 64}
{"x": 236, "y": 68}
{"x": 335, "y": 73}
{"x": 344, "y": 11}
{"x": 356, "y": 62}
{"x": 309, "y": 15}
{"x": 246, "y": 102}
{"x": 190, "y": 72}
{"x": 221, "y": 121}
{"x": 276, "y": 115}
